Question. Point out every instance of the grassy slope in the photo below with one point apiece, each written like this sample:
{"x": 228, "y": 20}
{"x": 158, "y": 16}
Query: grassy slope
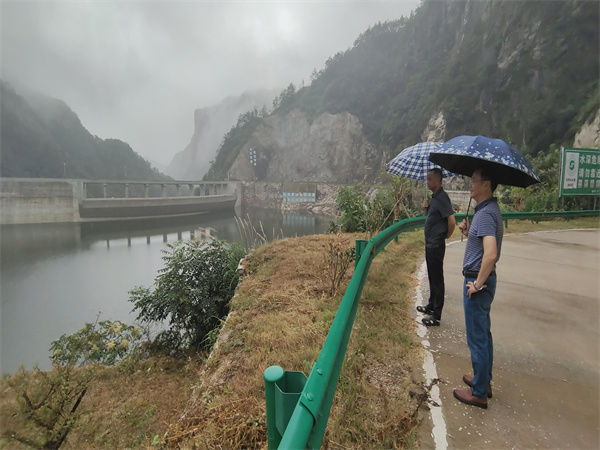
{"x": 280, "y": 315}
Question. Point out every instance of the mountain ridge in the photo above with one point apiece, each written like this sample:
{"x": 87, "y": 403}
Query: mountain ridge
{"x": 43, "y": 138}
{"x": 525, "y": 72}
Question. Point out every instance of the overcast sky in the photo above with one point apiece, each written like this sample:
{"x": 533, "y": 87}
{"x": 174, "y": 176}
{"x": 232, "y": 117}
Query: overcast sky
{"x": 137, "y": 70}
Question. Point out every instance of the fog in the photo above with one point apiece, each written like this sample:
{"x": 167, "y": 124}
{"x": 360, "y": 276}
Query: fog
{"x": 136, "y": 70}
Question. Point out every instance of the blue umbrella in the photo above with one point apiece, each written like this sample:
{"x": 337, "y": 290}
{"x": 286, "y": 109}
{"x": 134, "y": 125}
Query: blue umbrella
{"x": 465, "y": 154}
{"x": 413, "y": 162}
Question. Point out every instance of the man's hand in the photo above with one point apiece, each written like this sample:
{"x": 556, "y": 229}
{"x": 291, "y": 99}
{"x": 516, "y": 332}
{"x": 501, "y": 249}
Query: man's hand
{"x": 471, "y": 289}
{"x": 464, "y": 227}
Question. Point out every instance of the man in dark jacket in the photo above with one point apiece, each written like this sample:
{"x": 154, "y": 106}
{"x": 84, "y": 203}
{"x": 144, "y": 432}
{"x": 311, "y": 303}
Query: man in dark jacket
{"x": 439, "y": 226}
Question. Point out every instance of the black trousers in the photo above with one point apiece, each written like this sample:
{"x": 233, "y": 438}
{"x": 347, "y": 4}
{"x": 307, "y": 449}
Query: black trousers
{"x": 434, "y": 256}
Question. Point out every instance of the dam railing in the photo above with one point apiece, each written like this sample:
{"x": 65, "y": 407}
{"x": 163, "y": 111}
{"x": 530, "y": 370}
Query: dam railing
{"x": 298, "y": 407}
{"x": 124, "y": 188}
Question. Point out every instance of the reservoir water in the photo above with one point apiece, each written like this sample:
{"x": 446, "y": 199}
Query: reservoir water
{"x": 56, "y": 277}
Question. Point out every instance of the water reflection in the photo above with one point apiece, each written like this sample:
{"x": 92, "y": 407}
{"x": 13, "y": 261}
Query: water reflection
{"x": 54, "y": 278}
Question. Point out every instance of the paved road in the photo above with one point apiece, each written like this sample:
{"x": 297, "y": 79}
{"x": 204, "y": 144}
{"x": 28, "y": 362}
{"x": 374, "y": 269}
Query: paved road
{"x": 545, "y": 324}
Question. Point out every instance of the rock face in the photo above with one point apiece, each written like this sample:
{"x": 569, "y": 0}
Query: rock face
{"x": 589, "y": 135}
{"x": 210, "y": 125}
{"x": 435, "y": 130}
{"x": 333, "y": 148}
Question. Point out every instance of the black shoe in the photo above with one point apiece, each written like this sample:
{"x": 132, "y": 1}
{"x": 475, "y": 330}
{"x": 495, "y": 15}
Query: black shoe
{"x": 425, "y": 310}
{"x": 430, "y": 321}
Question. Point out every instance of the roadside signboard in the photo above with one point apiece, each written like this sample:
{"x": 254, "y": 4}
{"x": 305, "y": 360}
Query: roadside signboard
{"x": 580, "y": 172}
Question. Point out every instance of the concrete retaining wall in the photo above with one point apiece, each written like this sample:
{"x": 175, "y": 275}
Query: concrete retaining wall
{"x": 23, "y": 200}
{"x": 264, "y": 194}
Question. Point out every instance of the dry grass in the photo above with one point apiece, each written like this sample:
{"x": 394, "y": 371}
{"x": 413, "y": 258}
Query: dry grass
{"x": 280, "y": 316}
{"x": 120, "y": 409}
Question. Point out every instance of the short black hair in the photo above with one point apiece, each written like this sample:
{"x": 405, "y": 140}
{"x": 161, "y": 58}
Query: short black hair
{"x": 486, "y": 175}
{"x": 437, "y": 171}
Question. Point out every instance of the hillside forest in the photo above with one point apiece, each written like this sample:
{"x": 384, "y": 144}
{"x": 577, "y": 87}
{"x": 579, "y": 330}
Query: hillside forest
{"x": 43, "y": 138}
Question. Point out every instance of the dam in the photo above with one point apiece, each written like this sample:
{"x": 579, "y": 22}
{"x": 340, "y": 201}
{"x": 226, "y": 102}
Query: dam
{"x": 50, "y": 200}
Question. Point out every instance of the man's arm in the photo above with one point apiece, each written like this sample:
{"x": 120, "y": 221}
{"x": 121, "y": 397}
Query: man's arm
{"x": 451, "y": 225}
{"x": 490, "y": 252}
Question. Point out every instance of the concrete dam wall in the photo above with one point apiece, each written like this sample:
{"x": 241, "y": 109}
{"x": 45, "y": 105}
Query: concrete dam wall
{"x": 23, "y": 200}
{"x": 43, "y": 200}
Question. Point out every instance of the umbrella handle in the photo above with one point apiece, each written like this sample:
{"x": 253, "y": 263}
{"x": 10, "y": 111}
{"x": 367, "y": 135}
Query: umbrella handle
{"x": 466, "y": 218}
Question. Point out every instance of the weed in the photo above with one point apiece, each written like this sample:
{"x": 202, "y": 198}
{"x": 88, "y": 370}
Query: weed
{"x": 252, "y": 238}
{"x": 338, "y": 259}
{"x": 46, "y": 405}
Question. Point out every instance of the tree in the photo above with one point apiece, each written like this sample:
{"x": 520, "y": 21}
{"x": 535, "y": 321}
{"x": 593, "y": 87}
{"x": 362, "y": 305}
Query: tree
{"x": 46, "y": 406}
{"x": 191, "y": 292}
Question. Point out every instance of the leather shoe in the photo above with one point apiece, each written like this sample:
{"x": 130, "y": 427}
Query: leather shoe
{"x": 425, "y": 310}
{"x": 468, "y": 379}
{"x": 465, "y": 396}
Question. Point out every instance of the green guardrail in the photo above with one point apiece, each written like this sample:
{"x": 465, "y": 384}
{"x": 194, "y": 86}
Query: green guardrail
{"x": 298, "y": 407}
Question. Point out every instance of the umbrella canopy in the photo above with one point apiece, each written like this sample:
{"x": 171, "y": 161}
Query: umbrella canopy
{"x": 413, "y": 162}
{"x": 465, "y": 154}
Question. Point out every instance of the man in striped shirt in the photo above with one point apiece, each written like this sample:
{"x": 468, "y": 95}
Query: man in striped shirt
{"x": 479, "y": 269}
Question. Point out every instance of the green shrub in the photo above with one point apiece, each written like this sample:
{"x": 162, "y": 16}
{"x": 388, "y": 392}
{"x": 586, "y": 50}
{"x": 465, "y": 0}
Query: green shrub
{"x": 105, "y": 342}
{"x": 371, "y": 214}
{"x": 352, "y": 203}
{"x": 191, "y": 293}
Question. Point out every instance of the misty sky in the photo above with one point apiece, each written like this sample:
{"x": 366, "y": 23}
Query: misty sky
{"x": 137, "y": 70}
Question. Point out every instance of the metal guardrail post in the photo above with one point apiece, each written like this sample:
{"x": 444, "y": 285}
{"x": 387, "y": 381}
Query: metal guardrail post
{"x": 272, "y": 375}
{"x": 282, "y": 391}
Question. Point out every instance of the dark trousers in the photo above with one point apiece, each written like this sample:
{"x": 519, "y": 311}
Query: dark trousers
{"x": 434, "y": 256}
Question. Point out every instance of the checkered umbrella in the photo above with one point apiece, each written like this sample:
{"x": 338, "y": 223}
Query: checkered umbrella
{"x": 413, "y": 162}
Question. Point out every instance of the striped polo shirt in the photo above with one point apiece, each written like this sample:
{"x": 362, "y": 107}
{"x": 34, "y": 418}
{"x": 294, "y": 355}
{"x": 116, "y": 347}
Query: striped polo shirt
{"x": 487, "y": 221}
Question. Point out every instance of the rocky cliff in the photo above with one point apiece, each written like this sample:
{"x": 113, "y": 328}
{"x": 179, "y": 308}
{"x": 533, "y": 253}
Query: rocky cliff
{"x": 589, "y": 135}
{"x": 210, "y": 125}
{"x": 332, "y": 148}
